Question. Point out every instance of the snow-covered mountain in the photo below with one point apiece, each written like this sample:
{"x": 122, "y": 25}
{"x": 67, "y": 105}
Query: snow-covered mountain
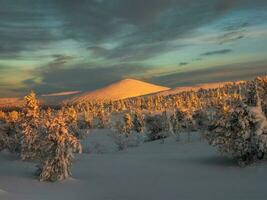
{"x": 120, "y": 90}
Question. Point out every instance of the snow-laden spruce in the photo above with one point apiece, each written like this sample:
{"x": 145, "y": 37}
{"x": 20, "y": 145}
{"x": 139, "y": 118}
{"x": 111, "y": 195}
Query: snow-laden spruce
{"x": 47, "y": 139}
{"x": 241, "y": 130}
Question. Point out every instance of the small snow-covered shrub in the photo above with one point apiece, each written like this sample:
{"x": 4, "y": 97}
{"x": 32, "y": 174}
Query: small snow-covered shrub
{"x": 85, "y": 121}
{"x": 202, "y": 119}
{"x": 178, "y": 123}
{"x": 158, "y": 126}
{"x": 120, "y": 140}
{"x": 181, "y": 122}
{"x": 3, "y": 137}
{"x": 10, "y": 133}
{"x": 10, "y": 137}
{"x": 125, "y": 134}
{"x": 128, "y": 123}
{"x": 123, "y": 141}
{"x": 260, "y": 129}
{"x": 12, "y": 117}
{"x": 122, "y": 130}
{"x": 262, "y": 92}
{"x": 2, "y": 116}
{"x": 138, "y": 122}
{"x": 100, "y": 121}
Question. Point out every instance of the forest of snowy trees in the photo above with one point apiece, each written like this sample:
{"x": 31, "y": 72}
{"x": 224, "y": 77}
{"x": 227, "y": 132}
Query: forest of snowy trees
{"x": 231, "y": 118}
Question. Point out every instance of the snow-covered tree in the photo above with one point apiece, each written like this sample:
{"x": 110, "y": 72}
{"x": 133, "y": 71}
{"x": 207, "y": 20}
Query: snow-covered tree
{"x": 10, "y": 133}
{"x": 2, "y": 116}
{"x": 240, "y": 131}
{"x": 123, "y": 130}
{"x": 138, "y": 122}
{"x": 30, "y": 124}
{"x": 58, "y": 146}
{"x": 47, "y": 139}
{"x": 128, "y": 124}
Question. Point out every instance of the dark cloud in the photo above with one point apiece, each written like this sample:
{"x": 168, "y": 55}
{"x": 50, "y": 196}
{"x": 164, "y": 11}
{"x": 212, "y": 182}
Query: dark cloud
{"x": 242, "y": 71}
{"x": 230, "y": 37}
{"x": 30, "y": 81}
{"x": 60, "y": 59}
{"x": 31, "y": 24}
{"x": 183, "y": 63}
{"x": 155, "y": 17}
{"x": 233, "y": 31}
{"x": 98, "y": 51}
{"x": 137, "y": 24}
{"x": 134, "y": 52}
{"x": 236, "y": 26}
{"x": 197, "y": 59}
{"x": 24, "y": 27}
{"x": 141, "y": 12}
{"x": 56, "y": 79}
{"x": 218, "y": 52}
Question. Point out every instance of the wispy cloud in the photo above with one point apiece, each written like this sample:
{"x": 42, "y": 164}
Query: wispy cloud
{"x": 217, "y": 52}
{"x": 60, "y": 59}
{"x": 183, "y": 63}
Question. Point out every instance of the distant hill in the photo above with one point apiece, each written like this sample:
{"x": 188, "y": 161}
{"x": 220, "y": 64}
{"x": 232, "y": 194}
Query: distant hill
{"x": 195, "y": 87}
{"x": 120, "y": 90}
{"x": 11, "y": 102}
{"x": 55, "y": 99}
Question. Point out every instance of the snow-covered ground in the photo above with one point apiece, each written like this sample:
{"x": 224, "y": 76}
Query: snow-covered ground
{"x": 153, "y": 170}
